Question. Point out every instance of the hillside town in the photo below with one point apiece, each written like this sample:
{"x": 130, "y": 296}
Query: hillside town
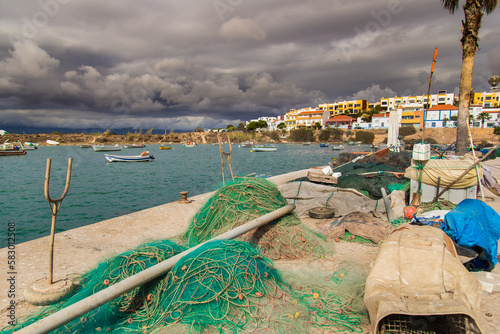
{"x": 412, "y": 111}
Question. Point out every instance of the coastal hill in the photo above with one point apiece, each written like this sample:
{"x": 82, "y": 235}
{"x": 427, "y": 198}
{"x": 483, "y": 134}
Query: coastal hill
{"x": 440, "y": 135}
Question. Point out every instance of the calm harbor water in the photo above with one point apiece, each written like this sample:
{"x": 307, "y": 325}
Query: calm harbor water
{"x": 101, "y": 190}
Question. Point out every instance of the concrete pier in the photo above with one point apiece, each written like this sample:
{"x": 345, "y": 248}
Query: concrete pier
{"x": 79, "y": 250}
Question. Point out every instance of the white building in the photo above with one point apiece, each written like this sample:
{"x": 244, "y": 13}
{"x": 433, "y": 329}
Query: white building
{"x": 439, "y": 114}
{"x": 418, "y": 101}
{"x": 380, "y": 121}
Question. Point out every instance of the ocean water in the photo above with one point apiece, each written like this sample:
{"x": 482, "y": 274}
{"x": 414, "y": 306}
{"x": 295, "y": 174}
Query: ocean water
{"x": 100, "y": 190}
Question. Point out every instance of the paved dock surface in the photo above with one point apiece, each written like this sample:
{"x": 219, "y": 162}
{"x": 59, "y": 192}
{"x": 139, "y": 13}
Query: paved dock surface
{"x": 80, "y": 249}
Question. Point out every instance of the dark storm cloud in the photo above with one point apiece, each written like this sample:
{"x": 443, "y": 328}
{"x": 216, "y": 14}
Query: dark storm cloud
{"x": 209, "y": 63}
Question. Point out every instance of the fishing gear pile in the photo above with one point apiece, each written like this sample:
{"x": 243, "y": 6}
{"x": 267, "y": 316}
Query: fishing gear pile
{"x": 223, "y": 286}
{"x": 246, "y": 199}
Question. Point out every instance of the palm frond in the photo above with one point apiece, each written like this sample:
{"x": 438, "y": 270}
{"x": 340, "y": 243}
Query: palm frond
{"x": 488, "y": 6}
{"x": 451, "y": 5}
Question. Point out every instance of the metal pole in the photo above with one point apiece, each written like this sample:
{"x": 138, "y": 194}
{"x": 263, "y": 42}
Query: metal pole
{"x": 78, "y": 309}
{"x": 429, "y": 93}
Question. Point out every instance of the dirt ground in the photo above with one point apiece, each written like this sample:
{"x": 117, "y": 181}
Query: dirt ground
{"x": 445, "y": 135}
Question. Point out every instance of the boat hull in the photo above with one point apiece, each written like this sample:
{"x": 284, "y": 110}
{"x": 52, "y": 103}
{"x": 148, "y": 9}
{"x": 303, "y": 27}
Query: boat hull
{"x": 12, "y": 152}
{"x": 131, "y": 158}
{"x": 103, "y": 148}
{"x": 264, "y": 149}
{"x": 134, "y": 146}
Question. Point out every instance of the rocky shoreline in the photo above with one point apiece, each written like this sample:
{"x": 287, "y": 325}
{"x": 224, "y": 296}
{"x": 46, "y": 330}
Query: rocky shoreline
{"x": 440, "y": 135}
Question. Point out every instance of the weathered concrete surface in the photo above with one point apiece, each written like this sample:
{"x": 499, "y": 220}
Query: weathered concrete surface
{"x": 79, "y": 250}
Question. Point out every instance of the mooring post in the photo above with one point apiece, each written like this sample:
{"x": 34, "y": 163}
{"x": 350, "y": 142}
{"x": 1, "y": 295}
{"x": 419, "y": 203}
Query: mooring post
{"x": 55, "y": 205}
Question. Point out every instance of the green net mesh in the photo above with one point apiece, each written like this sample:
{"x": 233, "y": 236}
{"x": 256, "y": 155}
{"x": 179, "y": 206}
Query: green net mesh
{"x": 246, "y": 199}
{"x": 369, "y": 178}
{"x": 224, "y": 286}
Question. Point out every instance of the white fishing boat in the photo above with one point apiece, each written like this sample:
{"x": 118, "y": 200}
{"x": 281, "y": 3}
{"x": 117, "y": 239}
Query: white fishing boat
{"x": 29, "y": 146}
{"x": 338, "y": 147}
{"x": 12, "y": 149}
{"x": 103, "y": 148}
{"x": 134, "y": 146}
{"x": 52, "y": 142}
{"x": 263, "y": 148}
{"x": 143, "y": 157}
{"x": 190, "y": 144}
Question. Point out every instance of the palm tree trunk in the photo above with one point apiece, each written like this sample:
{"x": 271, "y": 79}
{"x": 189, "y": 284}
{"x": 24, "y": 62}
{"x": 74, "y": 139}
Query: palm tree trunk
{"x": 469, "y": 40}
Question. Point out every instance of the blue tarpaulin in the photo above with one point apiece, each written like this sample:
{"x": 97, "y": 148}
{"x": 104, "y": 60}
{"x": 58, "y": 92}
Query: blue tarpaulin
{"x": 474, "y": 224}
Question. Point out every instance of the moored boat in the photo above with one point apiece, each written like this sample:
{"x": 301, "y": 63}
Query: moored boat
{"x": 163, "y": 147}
{"x": 143, "y": 157}
{"x": 306, "y": 144}
{"x": 86, "y": 146}
{"x": 134, "y": 146}
{"x": 52, "y": 142}
{"x": 12, "y": 149}
{"x": 263, "y": 148}
{"x": 338, "y": 147}
{"x": 29, "y": 146}
{"x": 190, "y": 144}
{"x": 247, "y": 144}
{"x": 102, "y": 148}
{"x": 323, "y": 145}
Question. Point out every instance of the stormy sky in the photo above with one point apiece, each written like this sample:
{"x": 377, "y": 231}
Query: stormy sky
{"x": 183, "y": 64}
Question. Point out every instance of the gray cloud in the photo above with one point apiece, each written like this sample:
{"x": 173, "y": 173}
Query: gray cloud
{"x": 210, "y": 63}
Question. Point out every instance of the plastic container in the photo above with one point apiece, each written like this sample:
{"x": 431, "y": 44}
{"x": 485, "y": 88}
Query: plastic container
{"x": 421, "y": 152}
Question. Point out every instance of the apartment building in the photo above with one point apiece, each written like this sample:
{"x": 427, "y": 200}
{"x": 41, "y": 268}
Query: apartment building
{"x": 291, "y": 119}
{"x": 308, "y": 117}
{"x": 345, "y": 107}
{"x": 441, "y": 98}
{"x": 487, "y": 99}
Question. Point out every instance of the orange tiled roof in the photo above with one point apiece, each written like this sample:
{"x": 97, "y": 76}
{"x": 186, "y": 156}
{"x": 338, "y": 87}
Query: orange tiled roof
{"x": 444, "y": 107}
{"x": 341, "y": 118}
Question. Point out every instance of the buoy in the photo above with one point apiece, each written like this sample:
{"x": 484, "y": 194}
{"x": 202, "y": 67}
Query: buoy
{"x": 409, "y": 212}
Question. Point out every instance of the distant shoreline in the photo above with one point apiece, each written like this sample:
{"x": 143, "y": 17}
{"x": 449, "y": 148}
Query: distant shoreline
{"x": 440, "y": 135}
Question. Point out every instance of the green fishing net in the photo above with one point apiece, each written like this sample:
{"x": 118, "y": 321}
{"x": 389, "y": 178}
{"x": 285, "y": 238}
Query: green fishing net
{"x": 224, "y": 286}
{"x": 246, "y": 199}
{"x": 369, "y": 178}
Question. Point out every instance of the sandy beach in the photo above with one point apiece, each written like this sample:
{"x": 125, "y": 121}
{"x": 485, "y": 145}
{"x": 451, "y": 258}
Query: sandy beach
{"x": 79, "y": 250}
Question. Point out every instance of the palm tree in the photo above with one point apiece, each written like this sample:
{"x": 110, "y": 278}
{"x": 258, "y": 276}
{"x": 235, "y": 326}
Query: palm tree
{"x": 473, "y": 10}
{"x": 484, "y": 116}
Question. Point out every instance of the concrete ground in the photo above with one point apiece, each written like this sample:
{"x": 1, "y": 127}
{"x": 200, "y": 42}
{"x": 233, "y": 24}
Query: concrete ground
{"x": 79, "y": 250}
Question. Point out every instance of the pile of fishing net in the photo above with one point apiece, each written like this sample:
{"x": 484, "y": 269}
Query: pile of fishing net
{"x": 246, "y": 199}
{"x": 224, "y": 286}
{"x": 369, "y": 178}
